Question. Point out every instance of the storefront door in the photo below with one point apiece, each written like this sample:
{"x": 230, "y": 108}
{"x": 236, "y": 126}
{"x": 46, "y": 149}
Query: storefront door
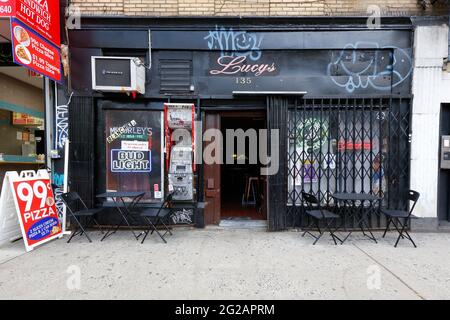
{"x": 212, "y": 177}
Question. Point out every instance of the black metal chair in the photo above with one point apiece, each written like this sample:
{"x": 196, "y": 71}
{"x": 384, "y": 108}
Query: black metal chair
{"x": 83, "y": 218}
{"x": 401, "y": 218}
{"x": 155, "y": 218}
{"x": 319, "y": 215}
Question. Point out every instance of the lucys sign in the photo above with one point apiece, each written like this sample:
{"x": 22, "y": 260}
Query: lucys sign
{"x": 239, "y": 65}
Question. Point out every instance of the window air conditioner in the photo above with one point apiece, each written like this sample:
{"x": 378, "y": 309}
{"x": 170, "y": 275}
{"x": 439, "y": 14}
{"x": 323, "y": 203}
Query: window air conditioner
{"x": 118, "y": 74}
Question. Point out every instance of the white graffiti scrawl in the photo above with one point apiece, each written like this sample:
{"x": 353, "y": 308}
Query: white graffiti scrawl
{"x": 62, "y": 125}
{"x": 59, "y": 203}
{"x": 182, "y": 216}
{"x": 235, "y": 43}
{"x": 359, "y": 69}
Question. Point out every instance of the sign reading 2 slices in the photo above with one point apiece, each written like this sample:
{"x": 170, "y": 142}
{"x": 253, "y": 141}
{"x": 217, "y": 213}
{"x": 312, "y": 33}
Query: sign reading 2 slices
{"x": 6, "y": 8}
{"x": 35, "y": 206}
{"x": 34, "y": 52}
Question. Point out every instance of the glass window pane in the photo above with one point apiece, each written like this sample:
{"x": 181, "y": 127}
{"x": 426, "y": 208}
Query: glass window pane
{"x": 133, "y": 152}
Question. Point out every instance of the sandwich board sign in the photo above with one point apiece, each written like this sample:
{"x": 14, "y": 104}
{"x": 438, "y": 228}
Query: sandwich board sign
{"x": 31, "y": 197}
{"x": 9, "y": 225}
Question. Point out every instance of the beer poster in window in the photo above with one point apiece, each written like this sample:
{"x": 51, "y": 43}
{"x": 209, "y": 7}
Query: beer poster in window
{"x": 134, "y": 152}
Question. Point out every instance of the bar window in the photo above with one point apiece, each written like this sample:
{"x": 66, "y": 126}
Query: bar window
{"x": 134, "y": 152}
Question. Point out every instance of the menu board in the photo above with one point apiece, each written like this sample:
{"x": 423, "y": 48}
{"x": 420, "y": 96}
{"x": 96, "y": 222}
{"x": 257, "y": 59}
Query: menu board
{"x": 36, "y": 35}
{"x": 34, "y": 52}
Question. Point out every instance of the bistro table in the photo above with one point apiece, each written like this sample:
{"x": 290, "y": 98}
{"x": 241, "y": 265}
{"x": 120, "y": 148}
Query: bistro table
{"x": 123, "y": 208}
{"x": 351, "y": 198}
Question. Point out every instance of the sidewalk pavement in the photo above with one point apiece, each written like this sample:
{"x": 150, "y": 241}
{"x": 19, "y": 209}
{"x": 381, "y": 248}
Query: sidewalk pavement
{"x": 220, "y": 263}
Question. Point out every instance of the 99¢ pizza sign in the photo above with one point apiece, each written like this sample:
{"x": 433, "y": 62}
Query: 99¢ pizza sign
{"x": 35, "y": 207}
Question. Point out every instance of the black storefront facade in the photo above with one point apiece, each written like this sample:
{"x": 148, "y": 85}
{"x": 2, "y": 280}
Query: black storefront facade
{"x": 338, "y": 92}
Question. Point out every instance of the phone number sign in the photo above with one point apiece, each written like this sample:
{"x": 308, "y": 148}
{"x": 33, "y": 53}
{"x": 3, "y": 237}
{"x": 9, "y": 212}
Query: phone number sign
{"x": 38, "y": 217}
{"x": 6, "y": 8}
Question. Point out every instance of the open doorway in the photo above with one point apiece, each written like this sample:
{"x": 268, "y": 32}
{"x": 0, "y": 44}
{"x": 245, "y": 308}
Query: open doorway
{"x": 242, "y": 186}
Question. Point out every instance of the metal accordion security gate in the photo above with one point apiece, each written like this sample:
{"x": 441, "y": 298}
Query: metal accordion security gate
{"x": 347, "y": 145}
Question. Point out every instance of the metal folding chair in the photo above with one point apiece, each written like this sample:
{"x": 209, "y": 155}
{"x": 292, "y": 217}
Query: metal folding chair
{"x": 317, "y": 214}
{"x": 401, "y": 218}
{"x": 155, "y": 218}
{"x": 83, "y": 218}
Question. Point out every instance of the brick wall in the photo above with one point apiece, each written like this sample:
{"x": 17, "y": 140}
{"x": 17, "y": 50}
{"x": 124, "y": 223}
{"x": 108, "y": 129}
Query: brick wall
{"x": 255, "y": 7}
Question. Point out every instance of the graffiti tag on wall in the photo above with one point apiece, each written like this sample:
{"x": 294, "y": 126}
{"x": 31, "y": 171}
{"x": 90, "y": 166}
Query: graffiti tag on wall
{"x": 234, "y": 43}
{"x": 183, "y": 216}
{"x": 382, "y": 68}
{"x": 62, "y": 125}
{"x": 58, "y": 202}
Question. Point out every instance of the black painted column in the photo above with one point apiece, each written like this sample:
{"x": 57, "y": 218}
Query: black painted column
{"x": 81, "y": 152}
{"x": 277, "y": 110}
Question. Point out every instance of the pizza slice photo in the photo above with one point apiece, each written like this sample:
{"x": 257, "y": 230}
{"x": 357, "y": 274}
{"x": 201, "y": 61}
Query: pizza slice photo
{"x": 23, "y": 54}
{"x": 23, "y": 36}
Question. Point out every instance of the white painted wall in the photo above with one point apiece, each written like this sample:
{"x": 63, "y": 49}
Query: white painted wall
{"x": 431, "y": 87}
{"x": 445, "y": 87}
